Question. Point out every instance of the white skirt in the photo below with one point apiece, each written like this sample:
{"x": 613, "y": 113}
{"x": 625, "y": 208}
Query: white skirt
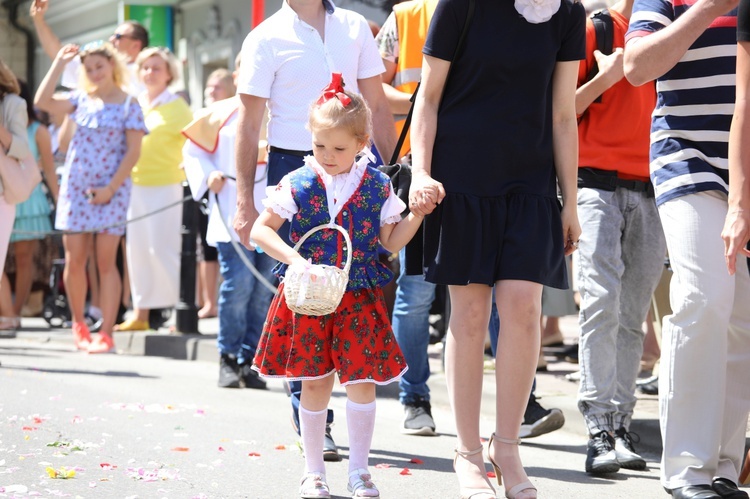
{"x": 153, "y": 246}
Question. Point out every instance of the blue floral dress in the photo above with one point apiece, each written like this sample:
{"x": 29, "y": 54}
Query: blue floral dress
{"x": 94, "y": 156}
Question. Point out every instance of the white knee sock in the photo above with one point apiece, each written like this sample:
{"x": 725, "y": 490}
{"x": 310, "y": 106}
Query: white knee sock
{"x": 312, "y": 428}
{"x": 361, "y": 422}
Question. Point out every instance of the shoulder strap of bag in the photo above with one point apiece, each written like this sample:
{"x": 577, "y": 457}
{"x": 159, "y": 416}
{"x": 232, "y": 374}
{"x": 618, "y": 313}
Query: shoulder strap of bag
{"x": 605, "y": 34}
{"x": 407, "y": 121}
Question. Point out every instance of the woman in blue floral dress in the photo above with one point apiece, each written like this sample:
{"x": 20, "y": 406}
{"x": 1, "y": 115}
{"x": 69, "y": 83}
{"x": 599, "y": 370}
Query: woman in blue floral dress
{"x": 95, "y": 187}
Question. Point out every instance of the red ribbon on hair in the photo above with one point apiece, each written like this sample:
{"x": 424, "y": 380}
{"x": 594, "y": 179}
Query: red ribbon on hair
{"x": 335, "y": 90}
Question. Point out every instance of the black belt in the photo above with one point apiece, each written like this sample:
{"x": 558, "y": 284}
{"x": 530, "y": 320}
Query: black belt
{"x": 290, "y": 152}
{"x": 595, "y": 178}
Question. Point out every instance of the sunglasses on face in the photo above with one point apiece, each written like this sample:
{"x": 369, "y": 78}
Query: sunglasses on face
{"x": 118, "y": 36}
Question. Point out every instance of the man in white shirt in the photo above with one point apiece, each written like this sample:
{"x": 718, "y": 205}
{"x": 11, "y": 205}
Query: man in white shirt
{"x": 129, "y": 39}
{"x": 287, "y": 61}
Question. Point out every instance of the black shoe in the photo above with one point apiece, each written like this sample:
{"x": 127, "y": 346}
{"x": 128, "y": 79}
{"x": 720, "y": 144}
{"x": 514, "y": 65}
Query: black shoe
{"x": 229, "y": 372}
{"x": 600, "y": 455}
{"x": 727, "y": 488}
{"x": 625, "y": 451}
{"x": 694, "y": 492}
{"x": 418, "y": 418}
{"x": 649, "y": 386}
{"x": 570, "y": 354}
{"x": 250, "y": 377}
{"x": 330, "y": 451}
{"x": 537, "y": 420}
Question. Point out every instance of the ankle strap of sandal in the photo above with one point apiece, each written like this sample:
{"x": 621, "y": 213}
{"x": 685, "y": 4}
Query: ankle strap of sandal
{"x": 467, "y": 453}
{"x": 511, "y": 441}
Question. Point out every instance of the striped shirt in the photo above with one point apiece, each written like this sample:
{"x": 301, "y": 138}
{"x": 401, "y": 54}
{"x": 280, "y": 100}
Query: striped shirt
{"x": 690, "y": 124}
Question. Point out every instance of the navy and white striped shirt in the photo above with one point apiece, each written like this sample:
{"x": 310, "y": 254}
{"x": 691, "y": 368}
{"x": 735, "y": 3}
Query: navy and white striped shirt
{"x": 690, "y": 125}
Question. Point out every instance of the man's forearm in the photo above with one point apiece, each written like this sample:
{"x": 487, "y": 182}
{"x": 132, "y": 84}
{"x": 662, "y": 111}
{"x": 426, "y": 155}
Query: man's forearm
{"x": 246, "y": 158}
{"x": 384, "y": 131}
{"x": 651, "y": 56}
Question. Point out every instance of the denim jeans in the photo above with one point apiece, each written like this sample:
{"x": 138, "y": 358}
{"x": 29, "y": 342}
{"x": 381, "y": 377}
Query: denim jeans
{"x": 243, "y": 301}
{"x": 620, "y": 261}
{"x": 411, "y": 326}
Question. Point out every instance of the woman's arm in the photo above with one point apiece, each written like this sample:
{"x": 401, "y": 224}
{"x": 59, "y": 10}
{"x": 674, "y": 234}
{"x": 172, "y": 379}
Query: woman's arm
{"x": 265, "y": 234}
{"x": 44, "y": 98}
{"x": 46, "y": 159}
{"x": 425, "y": 193}
{"x": 393, "y": 237}
{"x": 565, "y": 147}
{"x": 13, "y": 135}
{"x": 736, "y": 231}
{"x": 102, "y": 195}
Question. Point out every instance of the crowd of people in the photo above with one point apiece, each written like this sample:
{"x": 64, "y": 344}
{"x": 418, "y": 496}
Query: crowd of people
{"x": 618, "y": 140}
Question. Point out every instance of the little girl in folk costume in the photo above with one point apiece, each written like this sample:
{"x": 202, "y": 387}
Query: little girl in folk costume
{"x": 336, "y": 185}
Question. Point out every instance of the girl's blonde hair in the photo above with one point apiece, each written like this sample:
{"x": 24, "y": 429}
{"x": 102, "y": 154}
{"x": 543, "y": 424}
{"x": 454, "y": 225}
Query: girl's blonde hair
{"x": 166, "y": 55}
{"x": 8, "y": 81}
{"x": 107, "y": 50}
{"x": 332, "y": 113}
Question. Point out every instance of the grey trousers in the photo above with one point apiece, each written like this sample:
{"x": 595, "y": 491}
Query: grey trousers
{"x": 620, "y": 260}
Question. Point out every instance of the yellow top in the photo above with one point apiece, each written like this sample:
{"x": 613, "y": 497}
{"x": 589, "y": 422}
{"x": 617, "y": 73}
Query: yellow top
{"x": 161, "y": 149}
{"x": 413, "y": 21}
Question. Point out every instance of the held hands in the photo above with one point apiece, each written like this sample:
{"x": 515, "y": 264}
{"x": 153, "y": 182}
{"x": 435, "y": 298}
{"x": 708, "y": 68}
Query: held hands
{"x": 425, "y": 194}
{"x": 571, "y": 228}
{"x": 216, "y": 181}
{"x": 67, "y": 53}
{"x": 610, "y": 66}
{"x": 735, "y": 234}
{"x": 100, "y": 195}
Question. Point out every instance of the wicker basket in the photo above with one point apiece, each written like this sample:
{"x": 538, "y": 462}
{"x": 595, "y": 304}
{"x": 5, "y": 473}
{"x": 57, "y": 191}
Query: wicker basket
{"x": 317, "y": 291}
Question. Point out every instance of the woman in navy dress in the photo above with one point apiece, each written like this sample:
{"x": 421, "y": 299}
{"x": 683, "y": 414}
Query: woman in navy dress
{"x": 491, "y": 154}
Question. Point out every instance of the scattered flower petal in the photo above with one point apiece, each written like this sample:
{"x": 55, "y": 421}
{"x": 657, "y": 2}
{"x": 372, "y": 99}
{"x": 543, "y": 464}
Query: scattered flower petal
{"x": 62, "y": 473}
{"x": 280, "y": 447}
{"x": 383, "y": 466}
{"x": 180, "y": 449}
{"x": 221, "y": 449}
{"x": 416, "y": 460}
{"x": 405, "y": 471}
{"x": 254, "y": 455}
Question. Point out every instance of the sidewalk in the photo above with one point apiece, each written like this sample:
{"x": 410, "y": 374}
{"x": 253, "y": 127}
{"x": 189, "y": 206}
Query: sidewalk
{"x": 552, "y": 387}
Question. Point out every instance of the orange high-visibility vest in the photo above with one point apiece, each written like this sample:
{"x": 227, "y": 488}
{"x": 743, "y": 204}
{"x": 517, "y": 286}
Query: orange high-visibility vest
{"x": 412, "y": 20}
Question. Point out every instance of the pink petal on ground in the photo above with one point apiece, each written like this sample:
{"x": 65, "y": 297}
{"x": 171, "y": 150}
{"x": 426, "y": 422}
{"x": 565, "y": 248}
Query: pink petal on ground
{"x": 221, "y": 449}
{"x": 383, "y": 466}
{"x": 405, "y": 471}
{"x": 254, "y": 455}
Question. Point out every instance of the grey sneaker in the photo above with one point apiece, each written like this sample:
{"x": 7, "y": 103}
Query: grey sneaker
{"x": 418, "y": 418}
{"x": 537, "y": 420}
{"x": 600, "y": 455}
{"x": 625, "y": 452}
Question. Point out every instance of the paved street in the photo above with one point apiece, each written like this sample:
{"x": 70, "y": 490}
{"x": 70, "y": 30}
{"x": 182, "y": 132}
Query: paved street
{"x": 146, "y": 426}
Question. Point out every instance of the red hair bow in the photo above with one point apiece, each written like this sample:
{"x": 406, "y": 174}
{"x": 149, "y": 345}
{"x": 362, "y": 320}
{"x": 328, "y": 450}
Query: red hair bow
{"x": 335, "y": 90}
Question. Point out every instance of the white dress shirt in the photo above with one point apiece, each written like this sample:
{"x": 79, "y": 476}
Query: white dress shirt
{"x": 285, "y": 61}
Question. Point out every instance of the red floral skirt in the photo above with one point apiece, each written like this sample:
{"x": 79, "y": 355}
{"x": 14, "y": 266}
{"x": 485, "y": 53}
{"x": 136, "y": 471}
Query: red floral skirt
{"x": 356, "y": 341}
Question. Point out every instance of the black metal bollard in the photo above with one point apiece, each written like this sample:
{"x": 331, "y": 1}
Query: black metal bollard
{"x": 186, "y": 313}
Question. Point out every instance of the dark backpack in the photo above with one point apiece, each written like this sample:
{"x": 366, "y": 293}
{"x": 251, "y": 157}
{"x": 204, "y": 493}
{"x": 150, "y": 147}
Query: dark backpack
{"x": 605, "y": 34}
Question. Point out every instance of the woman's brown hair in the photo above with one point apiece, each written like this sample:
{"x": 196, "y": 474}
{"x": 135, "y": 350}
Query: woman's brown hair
{"x": 8, "y": 81}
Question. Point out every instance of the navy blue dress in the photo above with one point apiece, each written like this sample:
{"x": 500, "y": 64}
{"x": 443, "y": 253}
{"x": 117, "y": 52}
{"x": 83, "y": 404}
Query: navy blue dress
{"x": 500, "y": 218}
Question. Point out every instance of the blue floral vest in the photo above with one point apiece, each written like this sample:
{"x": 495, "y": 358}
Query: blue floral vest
{"x": 360, "y": 216}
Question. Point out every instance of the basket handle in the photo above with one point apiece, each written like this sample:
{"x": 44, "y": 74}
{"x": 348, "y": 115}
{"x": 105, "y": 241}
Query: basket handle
{"x": 338, "y": 228}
